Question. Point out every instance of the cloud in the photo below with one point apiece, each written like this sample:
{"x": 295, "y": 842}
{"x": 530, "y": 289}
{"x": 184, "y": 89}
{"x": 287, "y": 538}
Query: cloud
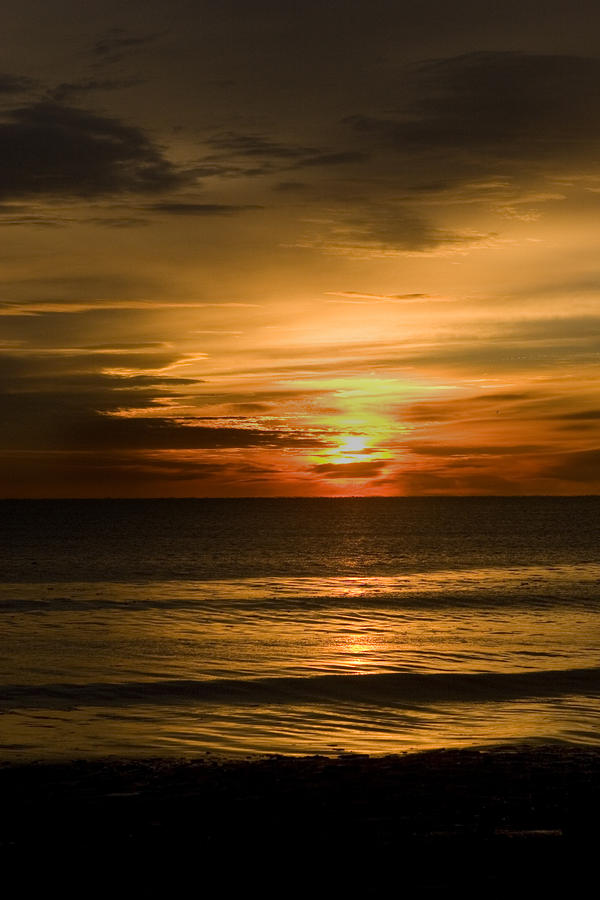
{"x": 361, "y": 297}
{"x": 72, "y": 401}
{"x": 122, "y": 222}
{"x": 93, "y": 474}
{"x": 50, "y": 149}
{"x": 66, "y": 90}
{"x": 385, "y": 228}
{"x": 481, "y": 128}
{"x": 465, "y": 117}
{"x": 52, "y": 362}
{"x": 63, "y": 304}
{"x": 53, "y": 421}
{"x": 341, "y": 158}
{"x": 128, "y": 473}
{"x": 118, "y": 346}
{"x": 20, "y": 220}
{"x": 579, "y": 467}
{"x": 291, "y": 186}
{"x": 200, "y": 209}
{"x": 15, "y": 84}
{"x": 101, "y": 432}
{"x": 251, "y": 407}
{"x": 554, "y": 328}
{"x": 456, "y": 483}
{"x": 365, "y": 469}
{"x": 117, "y": 42}
{"x": 515, "y": 404}
{"x": 515, "y": 346}
{"x": 484, "y": 129}
{"x": 517, "y": 470}
{"x": 584, "y": 414}
{"x": 257, "y": 145}
{"x": 34, "y": 376}
{"x": 268, "y": 155}
{"x": 434, "y": 449}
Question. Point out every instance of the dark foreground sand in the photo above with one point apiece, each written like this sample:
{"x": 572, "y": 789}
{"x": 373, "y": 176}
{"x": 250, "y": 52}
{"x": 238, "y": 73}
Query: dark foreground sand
{"x": 511, "y": 821}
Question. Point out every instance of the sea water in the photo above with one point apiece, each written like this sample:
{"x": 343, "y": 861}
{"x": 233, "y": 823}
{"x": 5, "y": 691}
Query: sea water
{"x": 176, "y": 627}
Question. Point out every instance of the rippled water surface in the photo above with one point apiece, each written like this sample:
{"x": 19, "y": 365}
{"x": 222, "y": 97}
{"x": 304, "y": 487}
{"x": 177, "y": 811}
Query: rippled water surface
{"x": 296, "y": 626}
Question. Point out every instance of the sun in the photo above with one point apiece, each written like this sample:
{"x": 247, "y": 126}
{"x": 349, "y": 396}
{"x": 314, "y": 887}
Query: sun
{"x": 351, "y": 448}
{"x": 353, "y": 443}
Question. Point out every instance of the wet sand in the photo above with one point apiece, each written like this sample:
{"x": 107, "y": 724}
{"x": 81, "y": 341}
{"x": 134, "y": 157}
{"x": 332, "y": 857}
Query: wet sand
{"x": 518, "y": 820}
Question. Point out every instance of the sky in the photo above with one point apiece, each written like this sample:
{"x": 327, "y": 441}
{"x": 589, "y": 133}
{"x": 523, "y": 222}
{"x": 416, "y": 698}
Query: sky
{"x": 264, "y": 248}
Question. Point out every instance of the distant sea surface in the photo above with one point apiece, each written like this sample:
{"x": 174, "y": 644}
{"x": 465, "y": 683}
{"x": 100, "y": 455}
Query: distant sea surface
{"x": 175, "y": 627}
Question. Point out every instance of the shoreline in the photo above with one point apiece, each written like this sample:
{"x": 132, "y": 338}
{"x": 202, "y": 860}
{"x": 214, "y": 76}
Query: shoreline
{"x": 489, "y": 815}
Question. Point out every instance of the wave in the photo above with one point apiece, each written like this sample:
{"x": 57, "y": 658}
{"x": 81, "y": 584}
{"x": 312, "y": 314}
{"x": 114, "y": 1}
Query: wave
{"x": 519, "y": 585}
{"x": 385, "y": 689}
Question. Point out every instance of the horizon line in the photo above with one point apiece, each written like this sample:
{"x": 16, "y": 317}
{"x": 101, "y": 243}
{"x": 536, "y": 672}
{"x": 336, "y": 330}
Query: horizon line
{"x": 316, "y": 497}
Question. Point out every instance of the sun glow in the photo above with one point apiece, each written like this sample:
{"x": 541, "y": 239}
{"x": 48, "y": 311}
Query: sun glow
{"x": 362, "y": 429}
{"x": 352, "y": 446}
{"x": 354, "y": 443}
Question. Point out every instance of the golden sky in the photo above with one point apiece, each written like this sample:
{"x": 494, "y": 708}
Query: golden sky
{"x": 334, "y": 248}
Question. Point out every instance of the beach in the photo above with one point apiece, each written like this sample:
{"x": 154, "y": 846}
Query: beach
{"x": 520, "y": 818}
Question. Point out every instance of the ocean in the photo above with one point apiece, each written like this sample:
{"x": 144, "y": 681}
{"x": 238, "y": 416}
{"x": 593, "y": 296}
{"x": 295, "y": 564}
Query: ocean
{"x": 297, "y": 626}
